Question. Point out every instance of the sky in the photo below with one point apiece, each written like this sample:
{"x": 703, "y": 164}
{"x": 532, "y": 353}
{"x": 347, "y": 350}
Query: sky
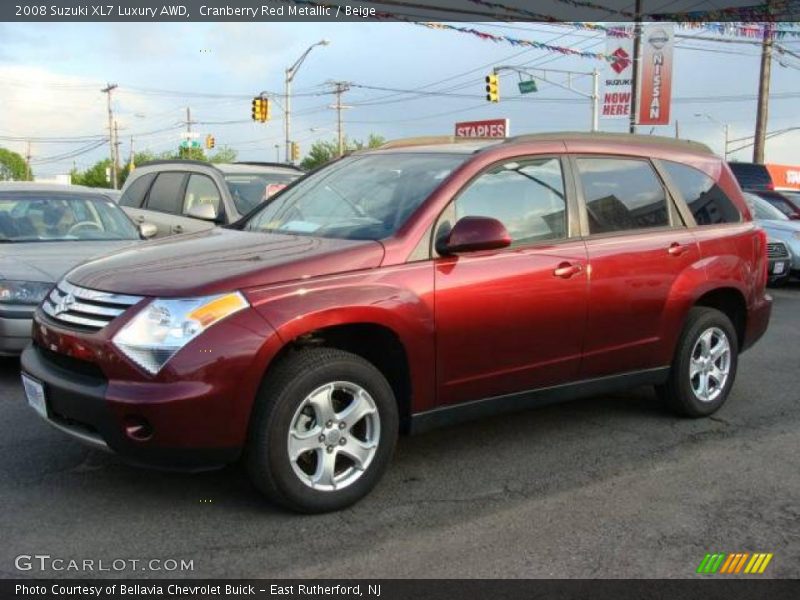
{"x": 51, "y": 75}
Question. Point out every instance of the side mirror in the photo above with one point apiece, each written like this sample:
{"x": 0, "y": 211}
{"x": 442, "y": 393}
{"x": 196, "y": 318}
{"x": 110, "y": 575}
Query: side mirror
{"x": 472, "y": 234}
{"x": 205, "y": 212}
{"x": 147, "y": 230}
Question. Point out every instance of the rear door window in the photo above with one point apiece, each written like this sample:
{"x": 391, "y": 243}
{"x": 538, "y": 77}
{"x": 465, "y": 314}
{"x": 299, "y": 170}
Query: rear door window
{"x": 622, "y": 195}
{"x": 708, "y": 203}
{"x": 165, "y": 195}
{"x": 133, "y": 197}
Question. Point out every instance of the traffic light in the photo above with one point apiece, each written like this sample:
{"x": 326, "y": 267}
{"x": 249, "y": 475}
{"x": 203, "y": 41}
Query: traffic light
{"x": 210, "y": 142}
{"x": 492, "y": 88}
{"x": 261, "y": 109}
{"x": 295, "y": 151}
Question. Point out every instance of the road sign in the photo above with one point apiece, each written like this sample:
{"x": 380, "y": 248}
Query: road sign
{"x": 492, "y": 128}
{"x": 528, "y": 86}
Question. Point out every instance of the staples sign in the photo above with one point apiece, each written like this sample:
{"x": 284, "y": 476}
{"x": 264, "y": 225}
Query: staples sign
{"x": 493, "y": 128}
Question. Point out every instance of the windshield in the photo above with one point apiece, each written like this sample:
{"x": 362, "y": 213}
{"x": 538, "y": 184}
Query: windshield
{"x": 763, "y": 210}
{"x": 366, "y": 197}
{"x": 39, "y": 217}
{"x": 251, "y": 189}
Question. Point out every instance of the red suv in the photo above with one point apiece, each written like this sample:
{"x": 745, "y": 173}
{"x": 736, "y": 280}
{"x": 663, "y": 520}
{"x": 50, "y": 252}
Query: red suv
{"x": 405, "y": 288}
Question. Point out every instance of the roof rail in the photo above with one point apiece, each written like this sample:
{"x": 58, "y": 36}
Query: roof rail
{"x": 172, "y": 161}
{"x": 429, "y": 140}
{"x": 628, "y": 138}
{"x": 256, "y": 163}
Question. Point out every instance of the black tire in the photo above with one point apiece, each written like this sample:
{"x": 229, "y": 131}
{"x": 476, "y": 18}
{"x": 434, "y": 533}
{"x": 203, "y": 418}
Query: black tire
{"x": 678, "y": 392}
{"x": 284, "y": 389}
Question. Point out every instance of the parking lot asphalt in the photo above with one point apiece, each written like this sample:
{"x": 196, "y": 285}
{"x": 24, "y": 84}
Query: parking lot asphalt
{"x": 606, "y": 487}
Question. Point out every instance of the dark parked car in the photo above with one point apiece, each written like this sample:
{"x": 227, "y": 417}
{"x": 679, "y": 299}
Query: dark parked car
{"x": 405, "y": 288}
{"x": 752, "y": 177}
{"x": 183, "y": 196}
{"x": 45, "y": 230}
{"x": 783, "y": 201}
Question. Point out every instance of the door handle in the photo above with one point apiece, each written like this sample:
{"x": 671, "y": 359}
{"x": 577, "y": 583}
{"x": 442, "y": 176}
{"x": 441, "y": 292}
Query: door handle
{"x": 177, "y": 229}
{"x": 565, "y": 270}
{"x": 676, "y": 249}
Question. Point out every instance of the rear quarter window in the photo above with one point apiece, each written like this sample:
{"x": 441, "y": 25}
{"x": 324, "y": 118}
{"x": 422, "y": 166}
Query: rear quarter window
{"x": 708, "y": 203}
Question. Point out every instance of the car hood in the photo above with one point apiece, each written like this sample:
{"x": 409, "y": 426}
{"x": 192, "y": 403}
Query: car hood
{"x": 221, "y": 260}
{"x": 776, "y": 226}
{"x": 48, "y": 261}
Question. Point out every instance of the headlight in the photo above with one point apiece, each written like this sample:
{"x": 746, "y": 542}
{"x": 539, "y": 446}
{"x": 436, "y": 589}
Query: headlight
{"x": 23, "y": 292}
{"x": 165, "y": 326}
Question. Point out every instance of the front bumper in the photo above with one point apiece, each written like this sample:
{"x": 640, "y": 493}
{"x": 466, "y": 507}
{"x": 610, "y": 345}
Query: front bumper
{"x": 15, "y": 329}
{"x": 80, "y": 403}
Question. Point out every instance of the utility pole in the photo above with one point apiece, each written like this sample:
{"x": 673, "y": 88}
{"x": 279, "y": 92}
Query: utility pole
{"x": 763, "y": 95}
{"x": 339, "y": 88}
{"x": 637, "y": 53}
{"x": 188, "y": 122}
{"x": 277, "y": 153}
{"x": 677, "y": 130}
{"x": 116, "y": 147}
{"x": 110, "y": 87}
{"x": 28, "y": 162}
{"x": 595, "y": 100}
{"x": 132, "y": 162}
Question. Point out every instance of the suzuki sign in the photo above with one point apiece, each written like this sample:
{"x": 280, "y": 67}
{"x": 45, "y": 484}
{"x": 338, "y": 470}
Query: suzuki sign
{"x": 492, "y": 129}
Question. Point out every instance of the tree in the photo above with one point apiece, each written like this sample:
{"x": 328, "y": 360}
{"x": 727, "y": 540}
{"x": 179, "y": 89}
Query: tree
{"x": 13, "y": 167}
{"x": 96, "y": 175}
{"x": 324, "y": 151}
{"x": 223, "y": 155}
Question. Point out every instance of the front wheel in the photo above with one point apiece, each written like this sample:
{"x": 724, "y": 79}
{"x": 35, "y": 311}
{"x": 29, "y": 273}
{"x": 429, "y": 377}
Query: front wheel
{"x": 704, "y": 366}
{"x": 323, "y": 430}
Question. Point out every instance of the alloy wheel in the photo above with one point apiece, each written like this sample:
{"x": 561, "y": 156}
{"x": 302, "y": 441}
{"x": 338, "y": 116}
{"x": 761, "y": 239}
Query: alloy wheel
{"x": 333, "y": 436}
{"x": 710, "y": 364}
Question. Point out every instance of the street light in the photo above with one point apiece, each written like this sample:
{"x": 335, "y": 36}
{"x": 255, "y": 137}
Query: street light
{"x": 724, "y": 129}
{"x": 290, "y": 73}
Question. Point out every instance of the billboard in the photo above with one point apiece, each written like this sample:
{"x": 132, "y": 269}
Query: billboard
{"x": 492, "y": 128}
{"x": 655, "y": 74}
{"x": 617, "y": 78}
{"x": 785, "y": 176}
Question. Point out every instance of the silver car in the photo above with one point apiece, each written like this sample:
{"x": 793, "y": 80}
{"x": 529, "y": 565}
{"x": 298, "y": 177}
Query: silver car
{"x": 45, "y": 230}
{"x": 184, "y": 196}
{"x": 778, "y": 227}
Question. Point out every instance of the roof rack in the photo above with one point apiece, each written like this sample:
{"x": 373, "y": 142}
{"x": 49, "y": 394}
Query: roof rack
{"x": 430, "y": 140}
{"x": 628, "y": 138}
{"x": 256, "y": 163}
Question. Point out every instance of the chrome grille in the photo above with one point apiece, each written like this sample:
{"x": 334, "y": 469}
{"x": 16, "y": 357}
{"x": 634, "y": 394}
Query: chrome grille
{"x": 777, "y": 250}
{"x": 89, "y": 309}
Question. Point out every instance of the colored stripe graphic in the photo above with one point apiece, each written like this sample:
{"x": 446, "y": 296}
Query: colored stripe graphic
{"x": 734, "y": 563}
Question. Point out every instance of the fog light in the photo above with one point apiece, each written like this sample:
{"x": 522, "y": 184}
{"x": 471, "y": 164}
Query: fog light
{"x": 138, "y": 428}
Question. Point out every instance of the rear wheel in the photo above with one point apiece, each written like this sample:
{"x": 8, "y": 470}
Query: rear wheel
{"x": 323, "y": 430}
{"x": 704, "y": 366}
